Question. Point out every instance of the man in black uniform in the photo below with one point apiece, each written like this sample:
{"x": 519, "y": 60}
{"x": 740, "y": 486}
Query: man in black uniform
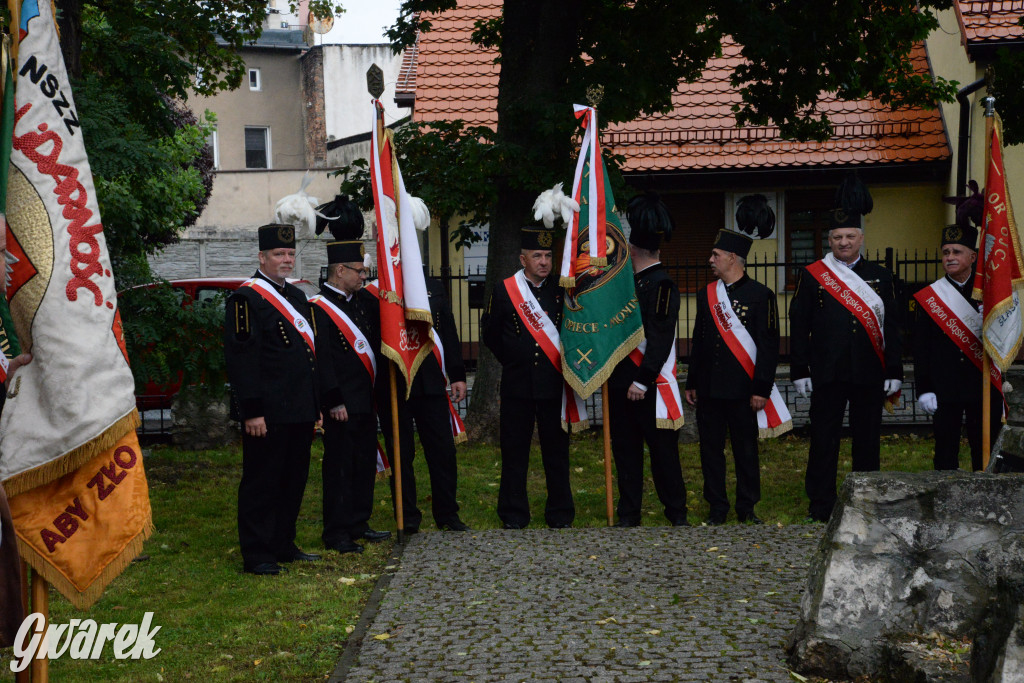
{"x": 837, "y": 356}
{"x": 268, "y": 348}
{"x": 531, "y": 386}
{"x": 346, "y": 318}
{"x": 724, "y": 393}
{"x": 428, "y": 405}
{"x": 632, "y": 391}
{"x": 948, "y": 381}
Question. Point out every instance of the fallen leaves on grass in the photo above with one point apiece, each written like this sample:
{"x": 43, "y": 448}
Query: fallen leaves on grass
{"x": 382, "y": 636}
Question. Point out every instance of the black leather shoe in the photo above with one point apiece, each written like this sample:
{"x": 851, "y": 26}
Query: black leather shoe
{"x": 510, "y": 525}
{"x": 346, "y": 547}
{"x": 373, "y": 535}
{"x": 559, "y": 526}
{"x": 266, "y": 569}
{"x": 751, "y": 519}
{"x": 681, "y": 522}
{"x": 410, "y": 530}
{"x": 714, "y": 521}
{"x": 300, "y": 556}
{"x": 453, "y": 525}
{"x": 626, "y": 524}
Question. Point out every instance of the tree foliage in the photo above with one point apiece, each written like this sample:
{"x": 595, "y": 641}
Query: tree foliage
{"x": 1005, "y": 76}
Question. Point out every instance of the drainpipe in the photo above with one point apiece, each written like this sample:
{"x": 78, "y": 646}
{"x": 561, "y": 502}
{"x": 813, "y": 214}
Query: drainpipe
{"x": 965, "y": 135}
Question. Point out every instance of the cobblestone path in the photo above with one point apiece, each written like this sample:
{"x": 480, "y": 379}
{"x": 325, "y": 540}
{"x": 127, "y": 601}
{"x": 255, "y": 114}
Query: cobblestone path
{"x": 643, "y": 604}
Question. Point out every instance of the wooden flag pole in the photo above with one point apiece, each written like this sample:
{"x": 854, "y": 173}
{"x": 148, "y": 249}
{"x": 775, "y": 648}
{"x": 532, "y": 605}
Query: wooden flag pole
{"x": 606, "y": 428}
{"x": 986, "y": 397}
{"x": 41, "y": 604}
{"x": 25, "y": 675}
{"x": 396, "y": 454}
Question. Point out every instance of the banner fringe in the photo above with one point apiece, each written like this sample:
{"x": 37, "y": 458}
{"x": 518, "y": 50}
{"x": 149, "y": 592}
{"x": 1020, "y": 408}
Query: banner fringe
{"x": 585, "y": 389}
{"x": 771, "y": 432}
{"x": 419, "y": 314}
{"x": 567, "y": 281}
{"x": 87, "y": 598}
{"x": 461, "y": 438}
{"x": 599, "y": 261}
{"x": 665, "y": 423}
{"x": 575, "y": 427}
{"x": 400, "y": 362}
{"x": 73, "y": 459}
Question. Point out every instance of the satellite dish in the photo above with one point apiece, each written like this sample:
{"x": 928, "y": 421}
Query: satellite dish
{"x": 320, "y": 25}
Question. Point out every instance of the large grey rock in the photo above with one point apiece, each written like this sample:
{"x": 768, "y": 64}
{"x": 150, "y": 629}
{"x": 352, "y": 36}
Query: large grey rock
{"x": 997, "y": 655}
{"x": 200, "y": 422}
{"x": 906, "y": 553}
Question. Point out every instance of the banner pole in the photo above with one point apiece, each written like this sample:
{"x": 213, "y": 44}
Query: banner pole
{"x": 25, "y": 675}
{"x": 41, "y": 604}
{"x": 396, "y": 466}
{"x": 986, "y": 397}
{"x": 606, "y": 428}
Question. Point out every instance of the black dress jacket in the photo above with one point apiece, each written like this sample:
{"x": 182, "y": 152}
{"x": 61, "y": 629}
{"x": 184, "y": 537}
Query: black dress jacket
{"x": 342, "y": 374}
{"x": 828, "y": 344}
{"x": 526, "y": 371}
{"x": 658, "y": 298}
{"x": 940, "y": 367}
{"x": 271, "y": 369}
{"x": 714, "y": 371}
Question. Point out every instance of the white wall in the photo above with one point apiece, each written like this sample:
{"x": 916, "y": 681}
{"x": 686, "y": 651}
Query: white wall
{"x": 346, "y": 100}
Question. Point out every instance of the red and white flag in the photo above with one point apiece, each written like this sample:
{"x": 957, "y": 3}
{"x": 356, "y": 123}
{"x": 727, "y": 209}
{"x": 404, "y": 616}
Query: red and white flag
{"x": 1000, "y": 274}
{"x": 591, "y": 199}
{"x": 406, "y": 330}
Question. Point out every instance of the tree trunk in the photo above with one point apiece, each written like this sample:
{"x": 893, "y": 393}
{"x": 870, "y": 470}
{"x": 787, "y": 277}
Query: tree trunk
{"x": 539, "y": 40}
{"x": 69, "y": 22}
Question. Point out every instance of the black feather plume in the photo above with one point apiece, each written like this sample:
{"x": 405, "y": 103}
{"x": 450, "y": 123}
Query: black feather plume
{"x": 648, "y": 214}
{"x": 853, "y": 196}
{"x": 969, "y": 209}
{"x": 342, "y": 217}
{"x": 754, "y": 213}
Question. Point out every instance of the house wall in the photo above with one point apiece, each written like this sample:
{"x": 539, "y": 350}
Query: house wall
{"x": 346, "y": 101}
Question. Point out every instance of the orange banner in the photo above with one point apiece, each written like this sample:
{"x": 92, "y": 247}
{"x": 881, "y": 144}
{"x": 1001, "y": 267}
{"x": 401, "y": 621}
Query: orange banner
{"x": 81, "y": 530}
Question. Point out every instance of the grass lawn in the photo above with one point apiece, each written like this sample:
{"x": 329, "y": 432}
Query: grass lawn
{"x": 218, "y": 624}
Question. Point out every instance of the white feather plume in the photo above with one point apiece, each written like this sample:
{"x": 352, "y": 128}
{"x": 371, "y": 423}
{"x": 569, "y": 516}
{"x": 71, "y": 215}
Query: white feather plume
{"x": 367, "y": 261}
{"x": 554, "y": 203}
{"x": 420, "y": 213}
{"x": 298, "y": 209}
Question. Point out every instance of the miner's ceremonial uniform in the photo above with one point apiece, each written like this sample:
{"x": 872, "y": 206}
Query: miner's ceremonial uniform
{"x": 531, "y": 393}
{"x": 656, "y": 418}
{"x": 949, "y": 370}
{"x": 724, "y": 386}
{"x": 428, "y": 404}
{"x": 271, "y": 365}
{"x": 348, "y": 340}
{"x": 832, "y": 347}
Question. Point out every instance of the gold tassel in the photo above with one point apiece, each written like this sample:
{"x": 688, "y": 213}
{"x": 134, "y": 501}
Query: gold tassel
{"x": 771, "y": 432}
{"x": 598, "y": 261}
{"x": 461, "y": 438}
{"x": 567, "y": 282}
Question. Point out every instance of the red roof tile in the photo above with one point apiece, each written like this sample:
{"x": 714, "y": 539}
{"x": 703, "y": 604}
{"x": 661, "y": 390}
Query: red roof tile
{"x": 457, "y": 79}
{"x": 991, "y": 21}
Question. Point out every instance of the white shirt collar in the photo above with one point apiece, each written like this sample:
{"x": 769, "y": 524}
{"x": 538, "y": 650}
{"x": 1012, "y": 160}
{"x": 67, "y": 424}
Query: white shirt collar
{"x": 348, "y": 297}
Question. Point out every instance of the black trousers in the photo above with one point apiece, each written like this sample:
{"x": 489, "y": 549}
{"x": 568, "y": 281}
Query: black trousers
{"x": 633, "y": 423}
{"x": 828, "y": 404}
{"x": 434, "y": 428}
{"x": 518, "y": 416}
{"x": 349, "y": 473}
{"x": 714, "y": 417}
{"x": 947, "y": 423}
{"x": 274, "y": 472}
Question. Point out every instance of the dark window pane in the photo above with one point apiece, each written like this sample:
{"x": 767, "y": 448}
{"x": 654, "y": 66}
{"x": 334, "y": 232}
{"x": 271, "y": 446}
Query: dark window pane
{"x": 256, "y": 148}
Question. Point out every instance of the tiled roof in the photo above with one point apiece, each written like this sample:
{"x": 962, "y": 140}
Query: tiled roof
{"x": 991, "y": 21}
{"x": 457, "y": 79}
{"x": 407, "y": 72}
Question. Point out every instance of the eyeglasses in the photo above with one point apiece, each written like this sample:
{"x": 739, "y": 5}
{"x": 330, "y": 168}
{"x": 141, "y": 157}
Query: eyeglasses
{"x": 362, "y": 271}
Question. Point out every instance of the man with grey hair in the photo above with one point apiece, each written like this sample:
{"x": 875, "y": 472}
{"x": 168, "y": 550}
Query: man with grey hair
{"x": 845, "y": 345}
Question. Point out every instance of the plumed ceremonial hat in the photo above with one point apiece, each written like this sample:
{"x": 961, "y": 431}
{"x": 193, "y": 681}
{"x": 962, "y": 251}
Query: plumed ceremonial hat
{"x": 753, "y": 214}
{"x": 534, "y": 237}
{"x": 342, "y": 217}
{"x": 348, "y": 251}
{"x": 728, "y": 240}
{"x": 853, "y": 200}
{"x": 965, "y": 235}
{"x": 277, "y": 236}
{"x": 649, "y": 221}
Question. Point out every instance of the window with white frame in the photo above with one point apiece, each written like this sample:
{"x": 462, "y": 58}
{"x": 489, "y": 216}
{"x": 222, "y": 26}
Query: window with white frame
{"x": 257, "y": 147}
{"x": 254, "y": 79}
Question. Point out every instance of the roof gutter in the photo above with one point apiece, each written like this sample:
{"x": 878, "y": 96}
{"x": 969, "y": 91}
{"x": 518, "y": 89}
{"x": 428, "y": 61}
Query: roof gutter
{"x": 965, "y": 134}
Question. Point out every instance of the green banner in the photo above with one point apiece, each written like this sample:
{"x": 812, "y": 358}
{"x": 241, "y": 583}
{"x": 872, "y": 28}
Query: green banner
{"x": 601, "y": 321}
{"x": 8, "y": 339}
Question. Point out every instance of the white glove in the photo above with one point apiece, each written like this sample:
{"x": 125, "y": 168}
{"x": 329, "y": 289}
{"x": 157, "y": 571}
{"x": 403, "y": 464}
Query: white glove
{"x": 803, "y": 386}
{"x": 892, "y": 386}
{"x": 929, "y": 404}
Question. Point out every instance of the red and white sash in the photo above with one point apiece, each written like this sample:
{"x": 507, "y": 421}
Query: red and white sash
{"x": 544, "y": 332}
{"x": 284, "y": 307}
{"x": 356, "y": 339}
{"x": 383, "y": 465}
{"x": 458, "y": 428}
{"x": 774, "y": 419}
{"x": 668, "y": 407}
{"x": 959, "y": 321}
{"x": 850, "y": 290}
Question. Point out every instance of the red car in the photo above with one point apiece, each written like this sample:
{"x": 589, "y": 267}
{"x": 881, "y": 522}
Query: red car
{"x": 156, "y": 396}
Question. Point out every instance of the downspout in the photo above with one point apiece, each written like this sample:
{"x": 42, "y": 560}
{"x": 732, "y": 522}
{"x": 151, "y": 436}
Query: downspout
{"x": 965, "y": 134}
